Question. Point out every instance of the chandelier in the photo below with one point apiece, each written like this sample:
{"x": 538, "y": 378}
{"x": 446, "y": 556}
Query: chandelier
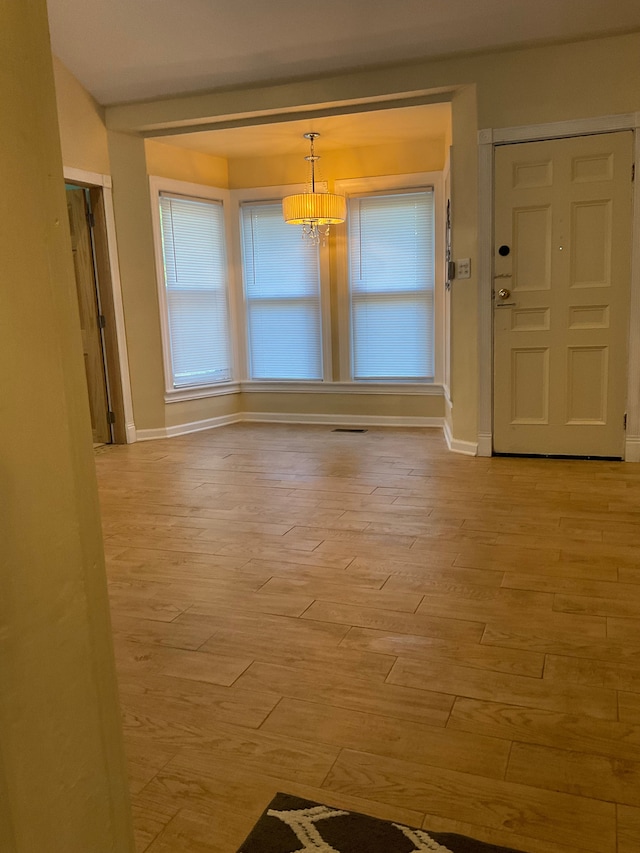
{"x": 315, "y": 211}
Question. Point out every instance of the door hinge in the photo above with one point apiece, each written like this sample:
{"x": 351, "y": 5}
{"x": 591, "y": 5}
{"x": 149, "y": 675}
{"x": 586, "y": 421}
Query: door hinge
{"x": 633, "y": 172}
{"x": 624, "y": 421}
{"x": 102, "y": 321}
{"x": 111, "y": 418}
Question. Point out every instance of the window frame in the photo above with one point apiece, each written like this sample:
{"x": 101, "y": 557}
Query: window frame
{"x": 387, "y": 184}
{"x": 275, "y": 194}
{"x": 158, "y": 185}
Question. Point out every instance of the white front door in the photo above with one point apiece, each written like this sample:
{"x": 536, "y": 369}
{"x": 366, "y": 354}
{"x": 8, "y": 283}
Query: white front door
{"x": 561, "y": 295}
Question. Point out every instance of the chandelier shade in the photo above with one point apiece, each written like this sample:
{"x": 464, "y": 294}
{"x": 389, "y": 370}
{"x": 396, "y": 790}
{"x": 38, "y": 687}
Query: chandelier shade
{"x": 313, "y": 210}
{"x": 322, "y": 208}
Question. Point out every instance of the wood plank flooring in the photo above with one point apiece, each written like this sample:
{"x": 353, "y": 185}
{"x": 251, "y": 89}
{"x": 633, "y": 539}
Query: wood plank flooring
{"x": 370, "y": 621}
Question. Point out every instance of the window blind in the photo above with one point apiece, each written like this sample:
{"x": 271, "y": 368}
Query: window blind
{"x": 391, "y": 275}
{"x": 282, "y": 294}
{"x": 193, "y": 246}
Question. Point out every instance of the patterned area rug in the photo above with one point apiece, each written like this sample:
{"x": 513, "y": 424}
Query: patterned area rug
{"x": 292, "y": 825}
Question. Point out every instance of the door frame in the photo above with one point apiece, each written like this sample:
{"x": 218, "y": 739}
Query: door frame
{"x": 119, "y": 364}
{"x": 488, "y": 140}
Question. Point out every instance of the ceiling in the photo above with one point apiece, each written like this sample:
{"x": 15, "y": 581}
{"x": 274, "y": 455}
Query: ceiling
{"x": 378, "y": 127}
{"x": 126, "y": 50}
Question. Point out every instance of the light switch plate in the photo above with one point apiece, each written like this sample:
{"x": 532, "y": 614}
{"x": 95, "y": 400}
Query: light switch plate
{"x": 463, "y": 268}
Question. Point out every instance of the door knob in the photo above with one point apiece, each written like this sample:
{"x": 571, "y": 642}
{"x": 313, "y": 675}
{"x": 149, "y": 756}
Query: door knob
{"x": 503, "y": 293}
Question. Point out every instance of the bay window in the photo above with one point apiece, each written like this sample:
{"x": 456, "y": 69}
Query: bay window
{"x": 244, "y": 299}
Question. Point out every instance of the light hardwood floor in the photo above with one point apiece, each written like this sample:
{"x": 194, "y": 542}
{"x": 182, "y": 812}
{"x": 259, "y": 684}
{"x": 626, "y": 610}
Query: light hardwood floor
{"x": 370, "y": 621}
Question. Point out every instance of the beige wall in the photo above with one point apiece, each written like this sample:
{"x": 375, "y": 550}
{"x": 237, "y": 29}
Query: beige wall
{"x": 463, "y": 303}
{"x": 557, "y": 82}
{"x": 136, "y": 254}
{"x": 63, "y": 784}
{"x": 83, "y": 134}
{"x": 182, "y": 164}
{"x": 193, "y": 411}
{"x": 424, "y": 155}
{"x": 352, "y": 405}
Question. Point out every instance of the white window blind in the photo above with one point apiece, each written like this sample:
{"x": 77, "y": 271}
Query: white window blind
{"x": 195, "y": 271}
{"x": 282, "y": 292}
{"x": 391, "y": 274}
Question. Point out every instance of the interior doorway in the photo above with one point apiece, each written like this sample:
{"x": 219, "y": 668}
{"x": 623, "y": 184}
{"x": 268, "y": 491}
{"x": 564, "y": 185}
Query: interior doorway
{"x": 89, "y": 241}
{"x": 91, "y": 317}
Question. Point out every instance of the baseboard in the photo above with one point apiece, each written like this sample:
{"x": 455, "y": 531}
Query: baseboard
{"x": 291, "y": 418}
{"x": 340, "y": 420}
{"x": 485, "y": 444}
{"x": 466, "y": 448}
{"x": 130, "y": 433}
{"x": 186, "y": 428}
{"x": 632, "y": 448}
{"x": 446, "y": 429}
{"x": 150, "y": 434}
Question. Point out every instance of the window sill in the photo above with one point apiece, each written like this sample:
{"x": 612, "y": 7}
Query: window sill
{"x": 177, "y": 395}
{"x": 404, "y": 389}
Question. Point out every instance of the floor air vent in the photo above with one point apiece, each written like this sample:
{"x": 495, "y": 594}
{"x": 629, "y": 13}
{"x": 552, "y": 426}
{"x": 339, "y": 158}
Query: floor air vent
{"x": 348, "y": 429}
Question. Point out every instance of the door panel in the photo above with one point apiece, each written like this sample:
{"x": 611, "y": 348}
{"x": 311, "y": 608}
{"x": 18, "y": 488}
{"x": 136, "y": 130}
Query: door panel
{"x": 561, "y": 295}
{"x": 530, "y": 386}
{"x": 587, "y": 385}
{"x": 89, "y": 325}
{"x": 531, "y": 248}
